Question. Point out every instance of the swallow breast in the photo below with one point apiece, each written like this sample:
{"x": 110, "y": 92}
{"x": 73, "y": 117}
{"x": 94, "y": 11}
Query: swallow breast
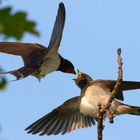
{"x": 93, "y": 97}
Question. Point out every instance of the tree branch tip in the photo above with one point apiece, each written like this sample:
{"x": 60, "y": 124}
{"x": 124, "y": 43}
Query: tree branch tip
{"x": 119, "y": 51}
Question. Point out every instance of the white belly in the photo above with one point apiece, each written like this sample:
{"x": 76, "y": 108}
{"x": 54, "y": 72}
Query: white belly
{"x": 49, "y": 65}
{"x": 92, "y": 99}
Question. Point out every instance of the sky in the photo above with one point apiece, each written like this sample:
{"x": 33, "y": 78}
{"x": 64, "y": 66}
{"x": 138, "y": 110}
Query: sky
{"x": 93, "y": 32}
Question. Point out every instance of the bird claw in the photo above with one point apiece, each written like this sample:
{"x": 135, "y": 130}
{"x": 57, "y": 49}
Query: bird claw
{"x": 110, "y": 115}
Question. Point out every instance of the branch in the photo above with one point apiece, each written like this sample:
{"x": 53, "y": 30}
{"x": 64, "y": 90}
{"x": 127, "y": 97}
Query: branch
{"x": 119, "y": 80}
{"x": 100, "y": 123}
{"x": 106, "y": 110}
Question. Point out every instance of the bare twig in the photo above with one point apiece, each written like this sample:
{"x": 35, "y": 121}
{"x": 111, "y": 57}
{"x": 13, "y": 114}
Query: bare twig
{"x": 100, "y": 123}
{"x": 119, "y": 80}
{"x": 106, "y": 110}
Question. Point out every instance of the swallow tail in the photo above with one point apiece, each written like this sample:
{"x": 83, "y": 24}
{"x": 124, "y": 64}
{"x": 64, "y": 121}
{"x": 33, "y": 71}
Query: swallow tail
{"x": 134, "y": 110}
{"x": 127, "y": 109}
{"x": 20, "y": 73}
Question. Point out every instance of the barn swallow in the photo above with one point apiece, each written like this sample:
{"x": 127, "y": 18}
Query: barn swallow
{"x": 82, "y": 111}
{"x": 39, "y": 60}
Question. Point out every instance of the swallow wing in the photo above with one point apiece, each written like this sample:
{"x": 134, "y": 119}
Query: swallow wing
{"x": 30, "y": 53}
{"x": 17, "y": 48}
{"x": 21, "y": 49}
{"x": 130, "y": 85}
{"x": 63, "y": 119}
{"x": 126, "y": 85}
{"x": 57, "y": 30}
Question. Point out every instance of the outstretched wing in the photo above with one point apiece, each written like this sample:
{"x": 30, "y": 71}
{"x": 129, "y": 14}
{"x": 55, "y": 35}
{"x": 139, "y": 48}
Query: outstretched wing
{"x": 125, "y": 85}
{"x": 63, "y": 119}
{"x": 17, "y": 48}
{"x": 57, "y": 30}
{"x": 30, "y": 53}
{"x": 21, "y": 49}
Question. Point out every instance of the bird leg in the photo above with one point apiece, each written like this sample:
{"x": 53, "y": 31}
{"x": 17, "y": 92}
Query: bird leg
{"x": 109, "y": 113}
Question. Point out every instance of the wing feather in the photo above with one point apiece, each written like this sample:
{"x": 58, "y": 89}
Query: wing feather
{"x": 63, "y": 119}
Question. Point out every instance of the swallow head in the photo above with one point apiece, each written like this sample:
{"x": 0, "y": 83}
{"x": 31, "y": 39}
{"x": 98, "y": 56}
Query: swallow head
{"x": 69, "y": 67}
{"x": 66, "y": 66}
{"x": 82, "y": 79}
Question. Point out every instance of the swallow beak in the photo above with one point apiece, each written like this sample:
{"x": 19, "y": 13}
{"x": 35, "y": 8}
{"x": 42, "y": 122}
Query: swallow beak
{"x": 78, "y": 75}
{"x": 74, "y": 72}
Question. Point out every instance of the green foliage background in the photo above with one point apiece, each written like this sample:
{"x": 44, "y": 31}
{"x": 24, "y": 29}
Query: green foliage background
{"x": 14, "y": 25}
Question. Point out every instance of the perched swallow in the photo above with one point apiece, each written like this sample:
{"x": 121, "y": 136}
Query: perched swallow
{"x": 82, "y": 111}
{"x": 39, "y": 60}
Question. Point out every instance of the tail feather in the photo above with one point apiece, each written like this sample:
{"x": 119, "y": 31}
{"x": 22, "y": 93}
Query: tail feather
{"x": 134, "y": 110}
{"x": 20, "y": 73}
{"x": 127, "y": 109}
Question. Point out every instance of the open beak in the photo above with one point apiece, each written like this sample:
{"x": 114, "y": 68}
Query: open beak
{"x": 78, "y": 75}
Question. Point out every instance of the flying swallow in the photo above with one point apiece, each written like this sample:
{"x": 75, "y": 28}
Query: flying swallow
{"x": 82, "y": 111}
{"x": 38, "y": 59}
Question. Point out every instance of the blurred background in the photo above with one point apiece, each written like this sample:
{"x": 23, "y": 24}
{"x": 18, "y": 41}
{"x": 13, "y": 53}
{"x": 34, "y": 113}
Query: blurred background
{"x": 93, "y": 32}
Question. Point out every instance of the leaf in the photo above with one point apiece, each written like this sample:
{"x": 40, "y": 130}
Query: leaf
{"x": 15, "y": 25}
{"x": 3, "y": 83}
